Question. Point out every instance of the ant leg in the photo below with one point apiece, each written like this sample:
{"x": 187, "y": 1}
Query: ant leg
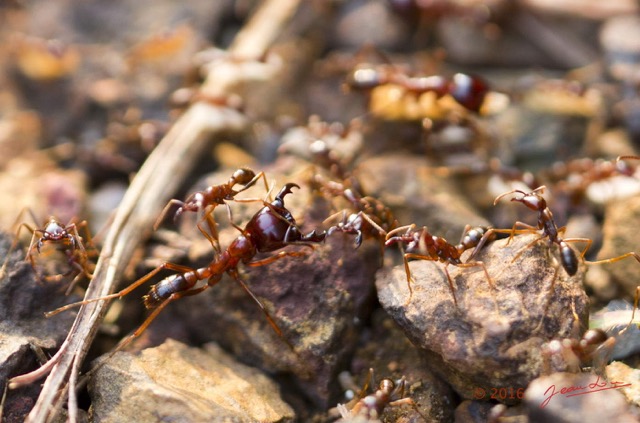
{"x": 636, "y": 298}
{"x": 276, "y": 257}
{"x": 484, "y": 268}
{"x": 408, "y": 256}
{"x": 614, "y": 259}
{"x": 164, "y": 212}
{"x": 272, "y": 322}
{"x": 406, "y": 228}
{"x": 212, "y": 235}
{"x": 585, "y": 249}
{"x": 125, "y": 291}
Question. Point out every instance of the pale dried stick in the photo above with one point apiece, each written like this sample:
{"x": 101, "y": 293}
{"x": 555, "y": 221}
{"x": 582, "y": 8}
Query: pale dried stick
{"x": 157, "y": 180}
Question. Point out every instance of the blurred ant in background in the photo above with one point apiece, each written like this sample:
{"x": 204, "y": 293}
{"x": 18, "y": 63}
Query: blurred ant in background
{"x": 52, "y": 237}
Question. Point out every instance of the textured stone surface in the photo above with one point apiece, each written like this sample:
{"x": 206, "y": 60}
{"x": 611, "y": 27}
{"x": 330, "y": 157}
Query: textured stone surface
{"x": 182, "y": 384}
{"x": 493, "y": 338}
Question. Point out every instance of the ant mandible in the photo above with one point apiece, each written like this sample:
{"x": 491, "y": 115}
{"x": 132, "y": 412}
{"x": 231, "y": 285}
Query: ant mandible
{"x": 568, "y": 258}
{"x": 422, "y": 245}
{"x": 63, "y": 238}
{"x": 270, "y": 229}
{"x": 371, "y": 407}
{"x": 207, "y": 200}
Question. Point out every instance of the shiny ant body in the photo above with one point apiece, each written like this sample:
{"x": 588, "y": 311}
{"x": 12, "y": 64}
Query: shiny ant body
{"x": 63, "y": 238}
{"x": 206, "y": 201}
{"x": 270, "y": 229}
{"x": 371, "y": 407}
{"x": 568, "y": 258}
{"x": 420, "y": 244}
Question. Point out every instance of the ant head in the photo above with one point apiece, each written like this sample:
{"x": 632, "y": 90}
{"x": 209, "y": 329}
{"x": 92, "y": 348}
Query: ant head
{"x": 243, "y": 176}
{"x": 54, "y": 231}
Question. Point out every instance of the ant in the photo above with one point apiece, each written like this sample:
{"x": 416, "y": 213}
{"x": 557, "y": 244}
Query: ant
{"x": 568, "y": 258}
{"x": 371, "y": 217}
{"x": 469, "y": 91}
{"x": 55, "y": 236}
{"x": 270, "y": 229}
{"x": 371, "y": 407}
{"x": 207, "y": 200}
{"x": 595, "y": 347}
{"x": 422, "y": 245}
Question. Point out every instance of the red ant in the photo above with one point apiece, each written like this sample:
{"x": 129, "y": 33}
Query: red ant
{"x": 422, "y": 245}
{"x": 371, "y": 217}
{"x": 371, "y": 407}
{"x": 568, "y": 258}
{"x": 63, "y": 238}
{"x": 270, "y": 229}
{"x": 207, "y": 200}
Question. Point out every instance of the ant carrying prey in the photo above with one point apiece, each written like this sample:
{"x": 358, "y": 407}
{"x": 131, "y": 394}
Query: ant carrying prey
{"x": 206, "y": 201}
{"x": 422, "y": 245}
{"x": 53, "y": 237}
{"x": 270, "y": 229}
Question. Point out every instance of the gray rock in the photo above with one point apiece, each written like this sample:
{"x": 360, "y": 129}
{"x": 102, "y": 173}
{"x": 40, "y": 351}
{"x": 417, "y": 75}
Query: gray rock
{"x": 182, "y": 384}
{"x": 493, "y": 338}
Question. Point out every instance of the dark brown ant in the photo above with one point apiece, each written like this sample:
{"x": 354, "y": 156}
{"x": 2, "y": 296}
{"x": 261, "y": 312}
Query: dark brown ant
{"x": 60, "y": 237}
{"x": 371, "y": 407}
{"x": 270, "y": 229}
{"x": 207, "y": 200}
{"x": 568, "y": 258}
{"x": 422, "y": 245}
{"x": 370, "y": 216}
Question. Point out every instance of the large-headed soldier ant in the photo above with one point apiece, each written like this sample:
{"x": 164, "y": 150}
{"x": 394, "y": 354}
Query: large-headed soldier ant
{"x": 422, "y": 245}
{"x": 207, "y": 200}
{"x": 56, "y": 236}
{"x": 270, "y": 229}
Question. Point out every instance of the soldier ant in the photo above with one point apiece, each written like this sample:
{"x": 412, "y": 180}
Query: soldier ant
{"x": 568, "y": 258}
{"x": 371, "y": 407}
{"x": 55, "y": 236}
{"x": 207, "y": 200}
{"x": 270, "y": 229}
{"x": 422, "y": 245}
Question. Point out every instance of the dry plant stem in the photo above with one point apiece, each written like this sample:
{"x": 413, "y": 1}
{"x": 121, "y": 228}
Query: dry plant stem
{"x": 157, "y": 180}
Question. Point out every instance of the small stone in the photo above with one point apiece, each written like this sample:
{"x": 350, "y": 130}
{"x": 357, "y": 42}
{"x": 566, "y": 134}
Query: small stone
{"x": 178, "y": 383}
{"x": 492, "y": 338}
{"x": 620, "y": 372}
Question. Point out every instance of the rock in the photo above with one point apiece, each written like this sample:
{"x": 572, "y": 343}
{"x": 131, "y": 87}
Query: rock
{"x": 583, "y": 399}
{"x": 178, "y": 383}
{"x": 385, "y": 349}
{"x": 416, "y": 194}
{"x": 620, "y": 372}
{"x": 619, "y": 237}
{"x": 23, "y": 327}
{"x": 492, "y": 339}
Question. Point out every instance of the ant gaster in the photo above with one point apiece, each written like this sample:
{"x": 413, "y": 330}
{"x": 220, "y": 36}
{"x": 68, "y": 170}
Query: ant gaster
{"x": 422, "y": 245}
{"x": 270, "y": 229}
{"x": 207, "y": 200}
{"x": 568, "y": 258}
